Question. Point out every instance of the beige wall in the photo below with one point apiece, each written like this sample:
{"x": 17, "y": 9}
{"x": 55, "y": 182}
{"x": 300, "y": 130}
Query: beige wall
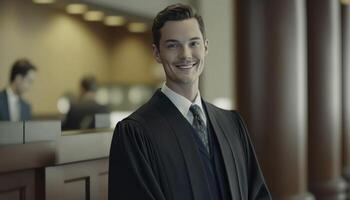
{"x": 64, "y": 48}
{"x": 218, "y": 79}
{"x": 132, "y": 60}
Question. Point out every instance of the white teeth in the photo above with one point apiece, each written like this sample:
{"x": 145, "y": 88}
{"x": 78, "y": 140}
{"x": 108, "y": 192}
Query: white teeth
{"x": 185, "y": 66}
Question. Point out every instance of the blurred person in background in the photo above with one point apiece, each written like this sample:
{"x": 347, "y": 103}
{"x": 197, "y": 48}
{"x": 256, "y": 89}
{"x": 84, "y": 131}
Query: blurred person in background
{"x": 12, "y": 106}
{"x": 81, "y": 113}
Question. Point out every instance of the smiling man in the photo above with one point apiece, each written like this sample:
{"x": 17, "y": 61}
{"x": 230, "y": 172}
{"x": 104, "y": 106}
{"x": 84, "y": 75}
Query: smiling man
{"x": 178, "y": 146}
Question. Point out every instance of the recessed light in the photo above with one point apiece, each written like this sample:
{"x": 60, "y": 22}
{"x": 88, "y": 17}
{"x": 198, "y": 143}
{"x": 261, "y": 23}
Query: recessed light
{"x": 43, "y": 1}
{"x": 137, "y": 27}
{"x": 114, "y": 21}
{"x": 93, "y": 15}
{"x": 76, "y": 8}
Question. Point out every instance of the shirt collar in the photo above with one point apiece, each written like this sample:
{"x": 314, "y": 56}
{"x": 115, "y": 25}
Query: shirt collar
{"x": 11, "y": 94}
{"x": 181, "y": 102}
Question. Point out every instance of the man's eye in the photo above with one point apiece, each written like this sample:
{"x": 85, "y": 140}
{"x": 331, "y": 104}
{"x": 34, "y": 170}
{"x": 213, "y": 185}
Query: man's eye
{"x": 194, "y": 44}
{"x": 171, "y": 46}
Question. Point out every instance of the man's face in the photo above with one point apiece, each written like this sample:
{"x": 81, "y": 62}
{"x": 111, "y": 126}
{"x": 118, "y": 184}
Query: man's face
{"x": 23, "y": 83}
{"x": 182, "y": 50}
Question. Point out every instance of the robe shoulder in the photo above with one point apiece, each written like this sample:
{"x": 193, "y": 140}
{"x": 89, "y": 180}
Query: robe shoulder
{"x": 133, "y": 172}
{"x": 231, "y": 119}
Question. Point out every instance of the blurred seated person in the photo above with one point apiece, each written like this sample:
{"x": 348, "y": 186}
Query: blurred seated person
{"x": 81, "y": 113}
{"x": 12, "y": 106}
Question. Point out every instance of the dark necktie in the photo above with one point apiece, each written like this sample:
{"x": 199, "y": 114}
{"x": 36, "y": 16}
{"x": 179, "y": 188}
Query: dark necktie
{"x": 199, "y": 125}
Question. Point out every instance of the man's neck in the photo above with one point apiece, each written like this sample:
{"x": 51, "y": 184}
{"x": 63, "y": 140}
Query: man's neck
{"x": 13, "y": 90}
{"x": 189, "y": 91}
{"x": 88, "y": 96}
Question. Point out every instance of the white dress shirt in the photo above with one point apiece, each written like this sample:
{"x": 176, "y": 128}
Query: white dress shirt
{"x": 13, "y": 103}
{"x": 183, "y": 104}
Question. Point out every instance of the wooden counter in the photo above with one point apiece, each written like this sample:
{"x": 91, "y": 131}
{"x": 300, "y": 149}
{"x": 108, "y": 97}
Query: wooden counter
{"x": 39, "y": 162}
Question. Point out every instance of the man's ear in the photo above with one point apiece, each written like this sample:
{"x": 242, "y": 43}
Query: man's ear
{"x": 156, "y": 53}
{"x": 206, "y": 46}
{"x": 18, "y": 78}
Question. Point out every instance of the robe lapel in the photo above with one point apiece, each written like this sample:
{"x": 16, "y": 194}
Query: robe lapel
{"x": 227, "y": 152}
{"x": 183, "y": 130}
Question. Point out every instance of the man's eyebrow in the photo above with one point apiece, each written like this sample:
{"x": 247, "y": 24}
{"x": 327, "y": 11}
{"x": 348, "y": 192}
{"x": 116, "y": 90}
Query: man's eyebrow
{"x": 173, "y": 40}
{"x": 195, "y": 38}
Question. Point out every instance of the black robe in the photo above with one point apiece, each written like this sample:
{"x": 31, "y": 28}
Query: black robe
{"x": 154, "y": 157}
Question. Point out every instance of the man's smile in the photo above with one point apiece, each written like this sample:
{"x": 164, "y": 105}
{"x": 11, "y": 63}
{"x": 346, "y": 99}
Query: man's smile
{"x": 186, "y": 65}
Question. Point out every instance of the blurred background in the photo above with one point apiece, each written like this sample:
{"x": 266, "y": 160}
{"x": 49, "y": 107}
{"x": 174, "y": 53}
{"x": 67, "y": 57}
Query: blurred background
{"x": 67, "y": 40}
{"x": 283, "y": 64}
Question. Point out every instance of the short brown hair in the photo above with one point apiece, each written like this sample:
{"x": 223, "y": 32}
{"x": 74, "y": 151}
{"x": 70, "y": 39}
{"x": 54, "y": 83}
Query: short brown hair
{"x": 21, "y": 67}
{"x": 176, "y": 12}
{"x": 88, "y": 84}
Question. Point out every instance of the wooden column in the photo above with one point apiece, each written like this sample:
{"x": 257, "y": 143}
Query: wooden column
{"x": 346, "y": 93}
{"x": 324, "y": 79}
{"x": 271, "y": 75}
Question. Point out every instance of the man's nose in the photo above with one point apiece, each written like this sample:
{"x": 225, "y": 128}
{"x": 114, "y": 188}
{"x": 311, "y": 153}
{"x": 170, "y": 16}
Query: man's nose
{"x": 185, "y": 52}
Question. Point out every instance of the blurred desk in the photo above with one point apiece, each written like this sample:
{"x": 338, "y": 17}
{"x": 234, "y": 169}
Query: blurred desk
{"x": 110, "y": 120}
{"x": 54, "y": 165}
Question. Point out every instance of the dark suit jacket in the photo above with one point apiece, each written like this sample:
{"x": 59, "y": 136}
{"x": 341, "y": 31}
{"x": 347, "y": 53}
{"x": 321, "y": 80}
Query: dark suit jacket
{"x": 81, "y": 115}
{"x": 25, "y": 108}
{"x": 154, "y": 157}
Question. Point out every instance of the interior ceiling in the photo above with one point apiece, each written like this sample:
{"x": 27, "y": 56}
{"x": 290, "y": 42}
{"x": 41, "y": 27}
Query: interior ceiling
{"x": 141, "y": 8}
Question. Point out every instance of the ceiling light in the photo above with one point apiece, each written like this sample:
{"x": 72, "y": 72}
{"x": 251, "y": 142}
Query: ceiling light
{"x": 137, "y": 27}
{"x": 93, "y": 15}
{"x": 76, "y": 8}
{"x": 114, "y": 21}
{"x": 43, "y": 1}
